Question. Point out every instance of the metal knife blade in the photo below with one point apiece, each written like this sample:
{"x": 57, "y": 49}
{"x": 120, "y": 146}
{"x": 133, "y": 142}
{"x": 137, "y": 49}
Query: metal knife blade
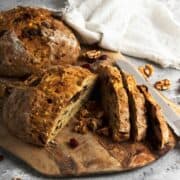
{"x": 172, "y": 118}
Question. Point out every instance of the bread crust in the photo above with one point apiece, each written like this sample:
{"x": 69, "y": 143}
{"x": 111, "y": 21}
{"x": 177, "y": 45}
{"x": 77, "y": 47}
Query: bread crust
{"x": 31, "y": 39}
{"x": 115, "y": 102}
{"x": 158, "y": 128}
{"x": 137, "y": 108}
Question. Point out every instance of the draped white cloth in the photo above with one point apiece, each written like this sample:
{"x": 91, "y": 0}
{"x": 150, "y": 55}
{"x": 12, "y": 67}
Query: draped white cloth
{"x": 141, "y": 28}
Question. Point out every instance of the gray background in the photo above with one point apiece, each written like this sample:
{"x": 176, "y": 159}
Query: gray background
{"x": 168, "y": 167}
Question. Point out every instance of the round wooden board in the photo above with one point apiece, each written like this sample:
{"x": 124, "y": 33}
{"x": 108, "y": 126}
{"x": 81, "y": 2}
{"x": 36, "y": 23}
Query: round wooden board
{"x": 94, "y": 155}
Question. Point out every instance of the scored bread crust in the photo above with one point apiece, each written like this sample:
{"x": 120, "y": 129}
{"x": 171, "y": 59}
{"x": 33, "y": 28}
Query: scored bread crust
{"x": 137, "y": 108}
{"x": 40, "y": 110}
{"x": 32, "y": 39}
{"x": 115, "y": 102}
{"x": 157, "y": 122}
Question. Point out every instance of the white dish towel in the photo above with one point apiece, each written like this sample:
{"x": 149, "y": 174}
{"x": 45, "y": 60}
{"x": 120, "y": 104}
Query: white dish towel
{"x": 141, "y": 28}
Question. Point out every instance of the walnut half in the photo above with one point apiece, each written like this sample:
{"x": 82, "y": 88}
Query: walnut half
{"x": 146, "y": 70}
{"x": 93, "y": 54}
{"x": 162, "y": 85}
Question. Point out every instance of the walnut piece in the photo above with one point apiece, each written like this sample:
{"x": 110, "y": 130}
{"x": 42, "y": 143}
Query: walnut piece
{"x": 146, "y": 70}
{"x": 92, "y": 54}
{"x": 162, "y": 85}
{"x": 81, "y": 127}
{"x": 89, "y": 117}
{"x": 84, "y": 113}
{"x": 94, "y": 124}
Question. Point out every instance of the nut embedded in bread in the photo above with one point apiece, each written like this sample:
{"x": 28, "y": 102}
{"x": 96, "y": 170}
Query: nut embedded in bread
{"x": 39, "y": 111}
{"x": 137, "y": 108}
{"x": 115, "y": 102}
{"x": 157, "y": 122}
{"x": 31, "y": 39}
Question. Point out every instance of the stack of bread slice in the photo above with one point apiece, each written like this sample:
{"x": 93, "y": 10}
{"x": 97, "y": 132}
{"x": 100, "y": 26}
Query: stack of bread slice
{"x": 132, "y": 111}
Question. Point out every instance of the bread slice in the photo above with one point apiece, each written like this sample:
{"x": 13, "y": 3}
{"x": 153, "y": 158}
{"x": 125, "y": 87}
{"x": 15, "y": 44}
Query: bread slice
{"x": 158, "y": 127}
{"x": 39, "y": 111}
{"x": 115, "y": 102}
{"x": 137, "y": 108}
{"x": 32, "y": 39}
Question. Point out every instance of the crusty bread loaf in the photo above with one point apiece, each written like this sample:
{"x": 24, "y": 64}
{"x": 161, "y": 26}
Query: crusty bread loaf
{"x": 158, "y": 128}
{"x": 47, "y": 103}
{"x": 115, "y": 102}
{"x": 137, "y": 108}
{"x": 32, "y": 39}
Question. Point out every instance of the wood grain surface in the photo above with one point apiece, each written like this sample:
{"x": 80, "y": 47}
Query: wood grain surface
{"x": 95, "y": 154}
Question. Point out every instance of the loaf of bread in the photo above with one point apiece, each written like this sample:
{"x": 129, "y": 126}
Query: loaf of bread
{"x": 158, "y": 128}
{"x": 115, "y": 102}
{"x": 137, "y": 108}
{"x": 46, "y": 104}
{"x": 32, "y": 39}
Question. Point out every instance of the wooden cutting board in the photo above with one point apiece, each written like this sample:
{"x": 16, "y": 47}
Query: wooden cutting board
{"x": 94, "y": 155}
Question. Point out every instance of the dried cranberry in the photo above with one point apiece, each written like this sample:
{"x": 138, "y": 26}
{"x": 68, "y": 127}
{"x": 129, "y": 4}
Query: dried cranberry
{"x": 50, "y": 101}
{"x": 87, "y": 66}
{"x": 73, "y": 143}
{"x": 103, "y": 57}
{"x": 1, "y": 157}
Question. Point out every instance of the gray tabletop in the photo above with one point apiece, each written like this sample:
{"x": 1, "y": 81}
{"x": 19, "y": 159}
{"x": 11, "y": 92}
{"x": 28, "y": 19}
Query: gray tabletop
{"x": 168, "y": 167}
